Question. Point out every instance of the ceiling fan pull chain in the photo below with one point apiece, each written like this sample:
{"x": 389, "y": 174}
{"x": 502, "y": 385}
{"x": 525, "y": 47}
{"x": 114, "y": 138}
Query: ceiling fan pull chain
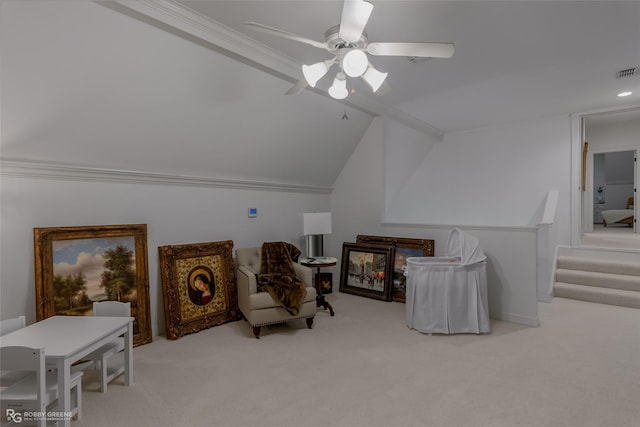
{"x": 344, "y": 116}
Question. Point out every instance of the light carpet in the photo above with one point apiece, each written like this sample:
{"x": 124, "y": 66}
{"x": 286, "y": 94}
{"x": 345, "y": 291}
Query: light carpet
{"x": 364, "y": 367}
{"x": 613, "y": 236}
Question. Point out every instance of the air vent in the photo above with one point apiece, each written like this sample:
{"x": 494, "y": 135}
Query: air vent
{"x": 629, "y": 72}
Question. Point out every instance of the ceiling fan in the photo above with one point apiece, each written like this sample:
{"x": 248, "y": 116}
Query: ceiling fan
{"x": 349, "y": 44}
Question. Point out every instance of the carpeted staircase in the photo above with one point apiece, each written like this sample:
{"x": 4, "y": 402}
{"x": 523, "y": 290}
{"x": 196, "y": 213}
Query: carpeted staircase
{"x": 598, "y": 280}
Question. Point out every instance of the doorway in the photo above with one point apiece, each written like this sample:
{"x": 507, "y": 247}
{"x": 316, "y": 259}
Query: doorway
{"x": 608, "y": 219}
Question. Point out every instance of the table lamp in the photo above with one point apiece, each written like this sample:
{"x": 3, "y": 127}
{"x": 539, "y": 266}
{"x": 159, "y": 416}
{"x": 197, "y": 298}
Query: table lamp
{"x": 315, "y": 226}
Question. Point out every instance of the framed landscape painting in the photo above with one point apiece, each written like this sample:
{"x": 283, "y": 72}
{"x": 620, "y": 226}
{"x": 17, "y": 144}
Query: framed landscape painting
{"x": 367, "y": 270}
{"x": 404, "y": 248}
{"x": 199, "y": 286}
{"x": 77, "y": 266}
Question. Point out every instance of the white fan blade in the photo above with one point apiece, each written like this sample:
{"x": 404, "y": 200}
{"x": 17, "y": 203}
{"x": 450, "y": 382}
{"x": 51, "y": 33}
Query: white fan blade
{"x": 355, "y": 14}
{"x": 297, "y": 88}
{"x": 286, "y": 35}
{"x": 429, "y": 50}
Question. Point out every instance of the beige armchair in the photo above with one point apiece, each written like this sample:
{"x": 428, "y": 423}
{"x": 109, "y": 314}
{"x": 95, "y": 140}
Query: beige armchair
{"x": 258, "y": 307}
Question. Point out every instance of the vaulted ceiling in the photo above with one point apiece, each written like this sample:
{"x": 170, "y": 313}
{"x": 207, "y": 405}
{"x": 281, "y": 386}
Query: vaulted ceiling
{"x": 513, "y": 60}
{"x": 185, "y": 88}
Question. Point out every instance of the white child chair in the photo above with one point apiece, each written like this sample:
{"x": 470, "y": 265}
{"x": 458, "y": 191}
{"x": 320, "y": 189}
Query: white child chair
{"x": 9, "y": 325}
{"x": 38, "y": 389}
{"x": 101, "y": 355}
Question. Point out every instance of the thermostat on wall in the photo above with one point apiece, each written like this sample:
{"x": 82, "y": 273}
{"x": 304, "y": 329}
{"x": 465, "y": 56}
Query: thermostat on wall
{"x": 253, "y": 212}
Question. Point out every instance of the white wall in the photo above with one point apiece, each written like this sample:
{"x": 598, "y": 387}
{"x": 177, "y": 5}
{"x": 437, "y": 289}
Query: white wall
{"x": 174, "y": 214}
{"x": 358, "y": 203}
{"x": 495, "y": 176}
{"x": 405, "y": 150}
{"x": 614, "y": 136}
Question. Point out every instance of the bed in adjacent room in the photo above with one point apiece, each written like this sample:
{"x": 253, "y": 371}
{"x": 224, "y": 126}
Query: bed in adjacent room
{"x": 619, "y": 216}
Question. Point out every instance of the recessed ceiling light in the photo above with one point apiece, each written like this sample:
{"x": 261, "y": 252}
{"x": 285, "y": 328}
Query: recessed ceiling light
{"x": 622, "y": 94}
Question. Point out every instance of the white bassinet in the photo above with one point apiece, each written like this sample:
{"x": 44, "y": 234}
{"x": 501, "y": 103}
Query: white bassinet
{"x": 448, "y": 295}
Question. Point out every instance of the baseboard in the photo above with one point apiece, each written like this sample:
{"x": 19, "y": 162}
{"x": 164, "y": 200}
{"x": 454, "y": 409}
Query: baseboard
{"x": 519, "y": 319}
{"x": 545, "y": 297}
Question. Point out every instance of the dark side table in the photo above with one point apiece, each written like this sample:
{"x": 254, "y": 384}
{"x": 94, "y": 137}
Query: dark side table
{"x": 318, "y": 263}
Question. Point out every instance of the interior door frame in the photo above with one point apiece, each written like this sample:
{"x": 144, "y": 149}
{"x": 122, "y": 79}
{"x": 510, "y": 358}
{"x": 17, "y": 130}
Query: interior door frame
{"x": 635, "y": 188}
{"x": 587, "y": 214}
{"x": 589, "y": 202}
{"x": 577, "y": 194}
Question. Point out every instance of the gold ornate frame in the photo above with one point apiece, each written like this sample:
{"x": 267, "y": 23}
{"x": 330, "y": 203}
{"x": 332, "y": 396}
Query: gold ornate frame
{"x": 404, "y": 248}
{"x": 187, "y": 308}
{"x": 90, "y": 242}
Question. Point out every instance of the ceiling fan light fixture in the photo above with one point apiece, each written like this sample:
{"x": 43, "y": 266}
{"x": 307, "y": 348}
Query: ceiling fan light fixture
{"x": 338, "y": 89}
{"x": 374, "y": 78}
{"x": 355, "y": 63}
{"x": 313, "y": 73}
{"x": 349, "y": 44}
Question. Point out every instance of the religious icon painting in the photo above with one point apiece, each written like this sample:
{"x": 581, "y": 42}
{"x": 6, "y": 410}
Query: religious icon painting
{"x": 199, "y": 286}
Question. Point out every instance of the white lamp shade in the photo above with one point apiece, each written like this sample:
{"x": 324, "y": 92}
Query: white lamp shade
{"x": 374, "y": 78}
{"x": 313, "y": 73}
{"x": 316, "y": 223}
{"x": 355, "y": 63}
{"x": 338, "y": 89}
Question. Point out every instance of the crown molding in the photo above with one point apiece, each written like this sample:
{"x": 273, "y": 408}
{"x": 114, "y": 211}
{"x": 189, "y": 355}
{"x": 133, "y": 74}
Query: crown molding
{"x": 173, "y": 16}
{"x": 45, "y": 170}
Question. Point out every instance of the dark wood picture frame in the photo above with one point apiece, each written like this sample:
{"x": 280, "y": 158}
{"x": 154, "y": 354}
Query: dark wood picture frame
{"x": 185, "y": 269}
{"x": 77, "y": 265}
{"x": 365, "y": 268}
{"x": 404, "y": 248}
{"x": 325, "y": 281}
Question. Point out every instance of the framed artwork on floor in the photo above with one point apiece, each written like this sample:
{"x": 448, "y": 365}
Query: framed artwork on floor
{"x": 367, "y": 270}
{"x": 199, "y": 286}
{"x": 76, "y": 266}
{"x": 404, "y": 248}
{"x": 325, "y": 281}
